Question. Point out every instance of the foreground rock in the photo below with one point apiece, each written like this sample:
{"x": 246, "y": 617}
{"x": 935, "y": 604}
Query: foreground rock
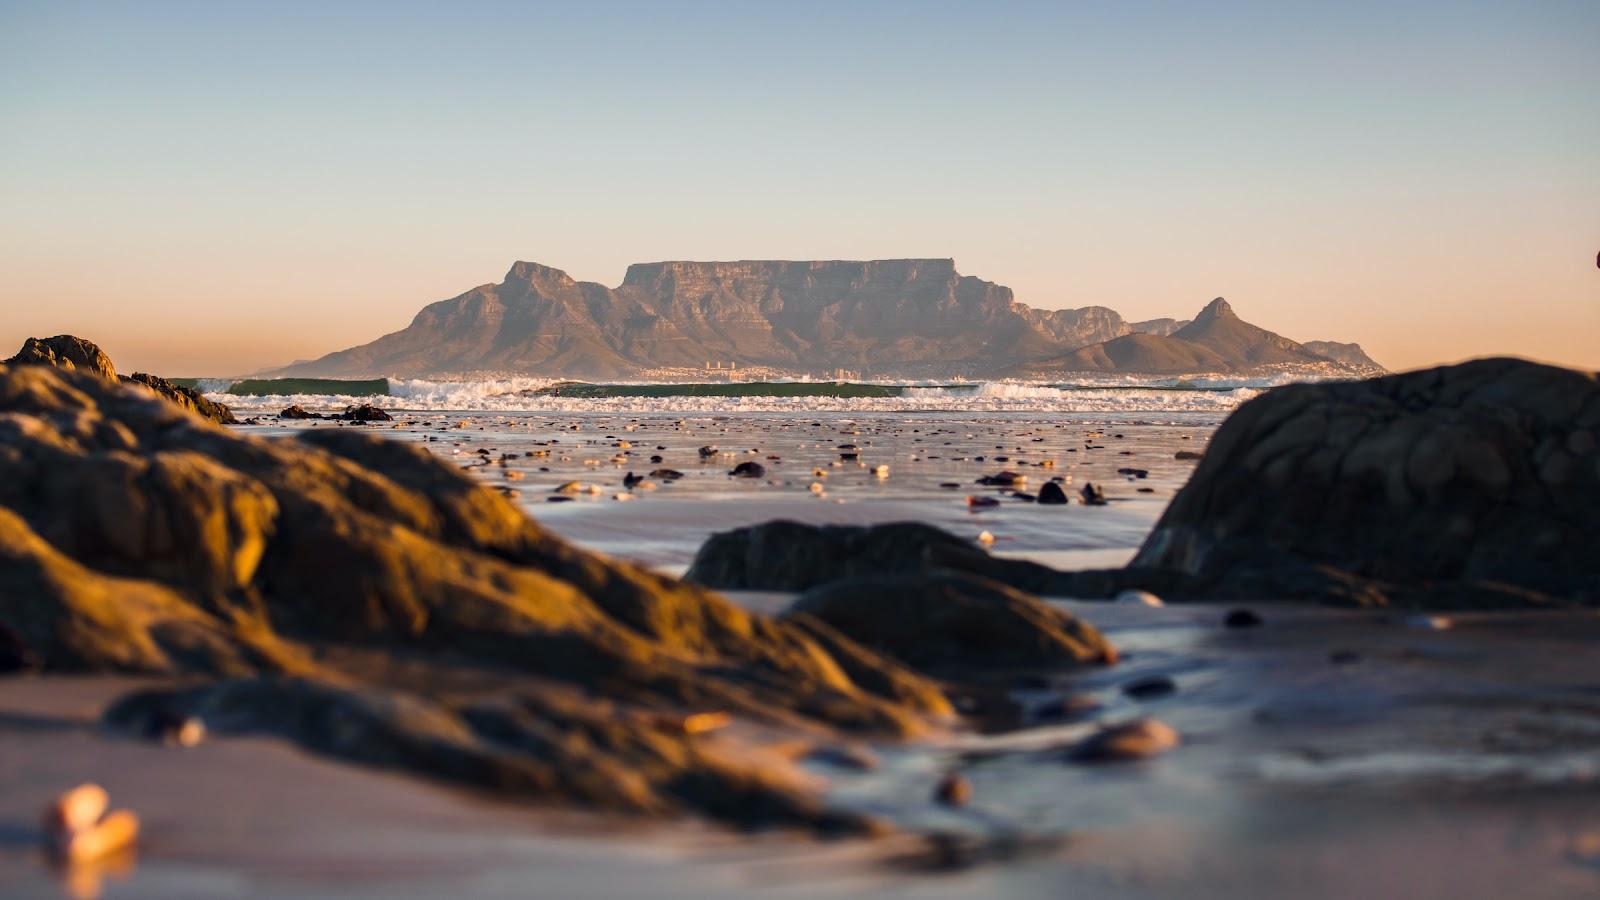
{"x": 355, "y": 595}
{"x": 1468, "y": 485}
{"x": 65, "y": 351}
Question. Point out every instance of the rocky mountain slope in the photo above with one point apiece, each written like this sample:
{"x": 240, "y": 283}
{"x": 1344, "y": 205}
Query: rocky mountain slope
{"x": 1216, "y": 341}
{"x": 1349, "y": 354}
{"x": 884, "y": 317}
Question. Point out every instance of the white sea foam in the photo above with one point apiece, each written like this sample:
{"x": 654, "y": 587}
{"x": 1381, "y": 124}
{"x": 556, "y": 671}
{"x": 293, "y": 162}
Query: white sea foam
{"x": 1109, "y": 395}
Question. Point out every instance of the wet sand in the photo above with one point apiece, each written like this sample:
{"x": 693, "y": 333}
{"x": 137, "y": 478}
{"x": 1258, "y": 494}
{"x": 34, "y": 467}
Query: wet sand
{"x": 1325, "y": 753}
{"x": 664, "y": 526}
{"x": 1453, "y": 763}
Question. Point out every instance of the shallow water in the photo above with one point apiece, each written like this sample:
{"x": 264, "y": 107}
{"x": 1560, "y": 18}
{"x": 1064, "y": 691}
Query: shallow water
{"x": 924, "y": 451}
{"x": 1326, "y": 753}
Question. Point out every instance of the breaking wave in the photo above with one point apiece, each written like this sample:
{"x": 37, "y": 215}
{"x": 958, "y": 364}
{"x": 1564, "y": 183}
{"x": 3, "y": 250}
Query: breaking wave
{"x": 525, "y": 394}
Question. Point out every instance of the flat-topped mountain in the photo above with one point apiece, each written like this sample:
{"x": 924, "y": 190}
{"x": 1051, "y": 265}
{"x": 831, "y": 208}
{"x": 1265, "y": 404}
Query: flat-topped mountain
{"x": 882, "y": 317}
{"x": 1215, "y": 341}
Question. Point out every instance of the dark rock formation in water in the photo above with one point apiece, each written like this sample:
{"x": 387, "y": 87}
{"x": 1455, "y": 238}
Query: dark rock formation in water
{"x": 64, "y": 351}
{"x": 879, "y": 316}
{"x": 366, "y": 412}
{"x": 1468, "y": 484}
{"x": 353, "y": 591}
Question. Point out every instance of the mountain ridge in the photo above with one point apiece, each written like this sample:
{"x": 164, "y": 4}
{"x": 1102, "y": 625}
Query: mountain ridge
{"x": 876, "y": 317}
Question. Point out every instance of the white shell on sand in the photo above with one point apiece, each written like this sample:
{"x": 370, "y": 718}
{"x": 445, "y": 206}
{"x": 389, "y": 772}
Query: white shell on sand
{"x": 1144, "y": 598}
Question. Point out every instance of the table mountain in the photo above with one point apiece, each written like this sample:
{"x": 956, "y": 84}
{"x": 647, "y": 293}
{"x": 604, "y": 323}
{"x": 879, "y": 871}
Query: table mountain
{"x": 878, "y": 316}
{"x": 916, "y": 317}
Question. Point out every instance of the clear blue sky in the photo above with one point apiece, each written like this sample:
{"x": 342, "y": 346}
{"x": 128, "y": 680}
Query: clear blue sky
{"x": 217, "y": 187}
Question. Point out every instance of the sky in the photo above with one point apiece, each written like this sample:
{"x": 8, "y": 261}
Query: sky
{"x": 215, "y": 188}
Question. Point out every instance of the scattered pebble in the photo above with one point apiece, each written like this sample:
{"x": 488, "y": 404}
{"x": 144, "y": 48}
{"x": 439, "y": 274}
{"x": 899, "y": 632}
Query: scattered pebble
{"x": 1150, "y": 688}
{"x": 80, "y": 830}
{"x": 953, "y": 790}
{"x": 1429, "y": 623}
{"x": 1241, "y": 618}
{"x": 1136, "y": 740}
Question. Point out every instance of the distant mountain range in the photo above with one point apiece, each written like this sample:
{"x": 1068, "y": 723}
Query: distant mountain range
{"x": 903, "y": 317}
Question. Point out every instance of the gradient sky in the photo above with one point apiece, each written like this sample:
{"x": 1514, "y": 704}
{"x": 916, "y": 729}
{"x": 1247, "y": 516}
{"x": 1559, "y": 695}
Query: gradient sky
{"x": 212, "y": 188}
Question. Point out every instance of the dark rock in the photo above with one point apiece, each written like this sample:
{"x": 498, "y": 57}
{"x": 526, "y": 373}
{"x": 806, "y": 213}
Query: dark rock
{"x": 708, "y": 451}
{"x": 15, "y": 655}
{"x": 748, "y": 470}
{"x": 1075, "y": 707}
{"x": 631, "y": 480}
{"x": 1002, "y": 479}
{"x": 1241, "y": 618}
{"x": 666, "y": 474}
{"x": 1092, "y": 495}
{"x": 65, "y": 351}
{"x": 953, "y": 790}
{"x": 1188, "y": 455}
{"x": 1052, "y": 494}
{"x": 365, "y": 412}
{"x": 789, "y": 556}
{"x": 1463, "y": 486}
{"x": 952, "y": 622}
{"x": 186, "y": 397}
{"x": 298, "y": 412}
{"x": 976, "y": 502}
{"x": 1150, "y": 688}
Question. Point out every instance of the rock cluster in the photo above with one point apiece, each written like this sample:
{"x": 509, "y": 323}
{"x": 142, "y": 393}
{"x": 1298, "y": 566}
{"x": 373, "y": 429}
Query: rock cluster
{"x": 353, "y": 594}
{"x": 65, "y": 351}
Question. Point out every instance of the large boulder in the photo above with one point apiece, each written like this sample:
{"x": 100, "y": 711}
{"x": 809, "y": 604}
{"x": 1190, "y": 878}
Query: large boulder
{"x": 65, "y": 351}
{"x": 362, "y": 582}
{"x": 784, "y": 555}
{"x": 1467, "y": 485}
